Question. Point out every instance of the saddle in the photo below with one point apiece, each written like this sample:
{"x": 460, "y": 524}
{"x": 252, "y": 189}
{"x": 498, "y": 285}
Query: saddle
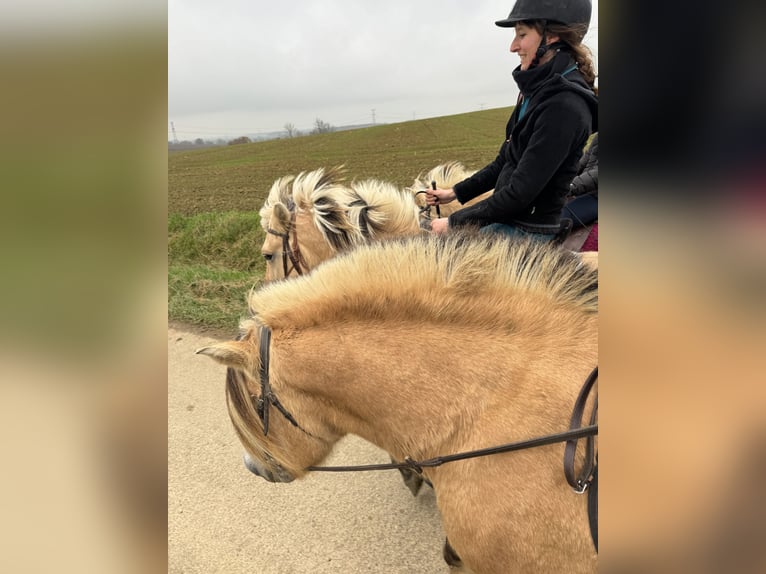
{"x": 574, "y": 240}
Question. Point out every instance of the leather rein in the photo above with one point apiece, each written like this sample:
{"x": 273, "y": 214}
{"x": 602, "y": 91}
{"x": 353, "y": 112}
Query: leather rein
{"x": 292, "y": 252}
{"x": 425, "y": 211}
{"x": 579, "y": 483}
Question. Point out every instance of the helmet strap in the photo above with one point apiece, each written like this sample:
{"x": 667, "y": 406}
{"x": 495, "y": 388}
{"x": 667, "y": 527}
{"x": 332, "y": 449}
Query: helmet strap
{"x": 543, "y": 47}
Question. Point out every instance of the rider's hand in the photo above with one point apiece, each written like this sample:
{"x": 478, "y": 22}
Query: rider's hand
{"x": 439, "y": 196}
{"x": 440, "y": 225}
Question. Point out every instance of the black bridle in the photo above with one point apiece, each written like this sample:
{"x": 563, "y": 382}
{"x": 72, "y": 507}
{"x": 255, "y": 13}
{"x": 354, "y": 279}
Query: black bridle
{"x": 571, "y": 436}
{"x": 268, "y": 397}
{"x": 293, "y": 253}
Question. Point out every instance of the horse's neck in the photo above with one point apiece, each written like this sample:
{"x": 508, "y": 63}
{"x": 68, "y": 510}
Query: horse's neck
{"x": 417, "y": 391}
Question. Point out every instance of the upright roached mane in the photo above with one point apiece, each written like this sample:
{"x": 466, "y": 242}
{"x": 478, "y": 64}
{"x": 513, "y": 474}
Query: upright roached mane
{"x": 432, "y": 278}
{"x": 320, "y": 193}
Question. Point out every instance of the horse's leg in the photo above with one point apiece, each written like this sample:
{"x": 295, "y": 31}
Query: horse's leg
{"x": 450, "y": 556}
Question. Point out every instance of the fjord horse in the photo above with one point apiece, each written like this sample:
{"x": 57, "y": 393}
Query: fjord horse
{"x": 314, "y": 216}
{"x": 350, "y": 348}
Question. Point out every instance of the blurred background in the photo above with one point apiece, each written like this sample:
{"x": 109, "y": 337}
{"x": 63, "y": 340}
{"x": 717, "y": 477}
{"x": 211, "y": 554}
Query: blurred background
{"x": 83, "y": 292}
{"x": 83, "y": 397}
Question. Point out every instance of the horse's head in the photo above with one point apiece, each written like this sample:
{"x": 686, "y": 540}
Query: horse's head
{"x": 306, "y": 222}
{"x": 282, "y": 435}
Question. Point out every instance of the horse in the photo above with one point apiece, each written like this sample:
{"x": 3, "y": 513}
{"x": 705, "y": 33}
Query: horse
{"x": 315, "y": 215}
{"x": 349, "y": 348}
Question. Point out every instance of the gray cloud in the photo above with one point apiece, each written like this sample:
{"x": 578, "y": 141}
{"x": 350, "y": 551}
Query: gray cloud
{"x": 242, "y": 67}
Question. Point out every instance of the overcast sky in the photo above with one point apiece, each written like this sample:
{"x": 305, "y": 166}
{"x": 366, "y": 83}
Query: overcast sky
{"x": 239, "y": 67}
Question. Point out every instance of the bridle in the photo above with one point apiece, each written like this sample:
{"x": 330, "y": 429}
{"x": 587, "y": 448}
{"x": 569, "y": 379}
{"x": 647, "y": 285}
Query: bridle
{"x": 571, "y": 436}
{"x": 268, "y": 397}
{"x": 292, "y": 253}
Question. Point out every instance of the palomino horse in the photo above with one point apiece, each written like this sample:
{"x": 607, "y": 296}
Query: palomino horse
{"x": 347, "y": 348}
{"x": 312, "y": 207}
{"x": 312, "y": 217}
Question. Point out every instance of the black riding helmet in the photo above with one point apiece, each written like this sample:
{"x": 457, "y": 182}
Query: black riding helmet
{"x": 564, "y": 11}
{"x": 567, "y": 12}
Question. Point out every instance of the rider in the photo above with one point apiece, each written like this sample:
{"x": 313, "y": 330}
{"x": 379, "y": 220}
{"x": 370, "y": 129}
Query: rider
{"x": 547, "y": 131}
{"x": 582, "y": 201}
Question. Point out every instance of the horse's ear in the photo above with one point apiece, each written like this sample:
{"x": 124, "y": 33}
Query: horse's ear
{"x": 282, "y": 217}
{"x": 232, "y": 354}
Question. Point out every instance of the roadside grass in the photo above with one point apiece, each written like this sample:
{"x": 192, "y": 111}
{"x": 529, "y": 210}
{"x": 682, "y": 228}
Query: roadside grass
{"x": 213, "y": 261}
{"x": 214, "y": 194}
{"x": 207, "y": 297}
{"x": 228, "y": 240}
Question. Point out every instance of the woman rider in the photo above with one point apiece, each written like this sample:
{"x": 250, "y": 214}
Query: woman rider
{"x": 545, "y": 135}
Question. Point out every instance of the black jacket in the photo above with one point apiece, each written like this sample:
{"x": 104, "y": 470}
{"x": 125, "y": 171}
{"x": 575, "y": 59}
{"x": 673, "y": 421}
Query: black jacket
{"x": 586, "y": 180}
{"x": 538, "y": 159}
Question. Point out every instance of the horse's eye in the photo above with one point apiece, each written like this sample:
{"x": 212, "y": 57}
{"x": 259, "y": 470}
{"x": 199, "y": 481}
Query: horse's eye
{"x": 268, "y": 256}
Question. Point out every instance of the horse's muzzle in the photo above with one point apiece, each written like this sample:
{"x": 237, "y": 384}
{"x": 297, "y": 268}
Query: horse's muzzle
{"x": 278, "y": 474}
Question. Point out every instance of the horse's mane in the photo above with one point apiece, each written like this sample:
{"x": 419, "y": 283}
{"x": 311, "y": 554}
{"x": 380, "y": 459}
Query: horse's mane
{"x": 466, "y": 278}
{"x": 345, "y": 215}
{"x": 322, "y": 194}
{"x": 445, "y": 175}
{"x": 379, "y": 208}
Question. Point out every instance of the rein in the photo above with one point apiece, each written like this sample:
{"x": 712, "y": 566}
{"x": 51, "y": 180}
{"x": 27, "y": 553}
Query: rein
{"x": 294, "y": 252}
{"x": 571, "y": 436}
{"x": 426, "y": 209}
{"x": 417, "y": 466}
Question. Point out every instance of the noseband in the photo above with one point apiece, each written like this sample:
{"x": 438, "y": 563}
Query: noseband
{"x": 294, "y": 252}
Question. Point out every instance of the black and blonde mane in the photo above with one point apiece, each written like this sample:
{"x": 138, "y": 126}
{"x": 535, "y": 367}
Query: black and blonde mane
{"x": 379, "y": 208}
{"x": 346, "y": 215}
{"x": 464, "y": 278}
{"x": 445, "y": 175}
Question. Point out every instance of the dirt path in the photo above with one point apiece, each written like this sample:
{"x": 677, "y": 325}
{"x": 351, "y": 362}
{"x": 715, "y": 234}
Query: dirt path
{"x": 223, "y": 519}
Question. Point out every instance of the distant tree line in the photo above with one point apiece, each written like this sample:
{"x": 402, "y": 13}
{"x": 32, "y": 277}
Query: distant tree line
{"x": 320, "y": 127}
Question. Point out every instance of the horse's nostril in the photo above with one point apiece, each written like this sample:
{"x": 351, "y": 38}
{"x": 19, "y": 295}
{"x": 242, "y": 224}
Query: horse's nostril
{"x": 252, "y": 466}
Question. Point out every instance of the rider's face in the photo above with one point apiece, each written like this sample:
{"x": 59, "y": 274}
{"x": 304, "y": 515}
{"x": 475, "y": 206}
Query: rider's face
{"x": 525, "y": 44}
